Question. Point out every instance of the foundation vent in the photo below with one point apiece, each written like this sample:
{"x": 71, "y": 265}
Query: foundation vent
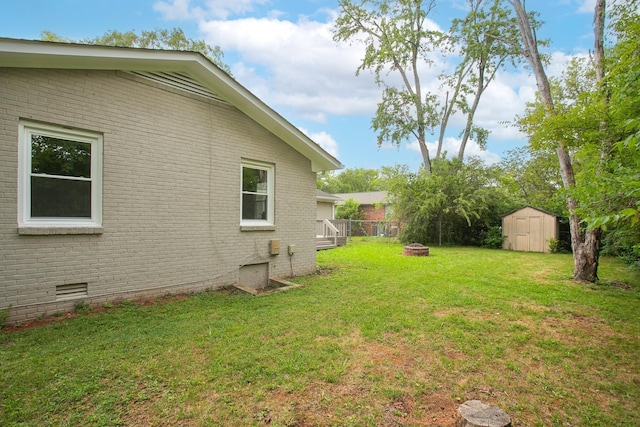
{"x": 71, "y": 291}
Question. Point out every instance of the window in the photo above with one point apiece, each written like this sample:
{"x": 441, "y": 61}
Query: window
{"x": 257, "y": 194}
{"x": 60, "y": 177}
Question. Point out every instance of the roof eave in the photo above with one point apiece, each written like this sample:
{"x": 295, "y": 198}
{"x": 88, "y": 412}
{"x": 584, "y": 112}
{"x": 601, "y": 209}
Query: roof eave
{"x": 36, "y": 54}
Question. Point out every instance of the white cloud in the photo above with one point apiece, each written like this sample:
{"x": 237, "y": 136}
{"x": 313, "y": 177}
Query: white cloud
{"x": 299, "y": 65}
{"x": 180, "y": 10}
{"x": 559, "y": 62}
{"x": 451, "y": 147}
{"x": 216, "y": 9}
{"x": 296, "y": 67}
{"x": 587, "y": 6}
{"x": 324, "y": 140}
{"x": 501, "y": 102}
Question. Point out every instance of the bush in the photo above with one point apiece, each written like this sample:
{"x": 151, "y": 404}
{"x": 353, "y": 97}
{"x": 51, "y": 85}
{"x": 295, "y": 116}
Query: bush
{"x": 349, "y": 210}
{"x": 624, "y": 245}
{"x": 493, "y": 238}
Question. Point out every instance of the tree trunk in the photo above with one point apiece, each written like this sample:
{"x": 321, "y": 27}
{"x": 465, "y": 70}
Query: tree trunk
{"x": 598, "y": 31}
{"x": 448, "y": 108}
{"x": 449, "y": 105}
{"x": 586, "y": 257}
{"x": 585, "y": 245}
{"x": 472, "y": 111}
{"x": 586, "y": 264}
{"x": 425, "y": 152}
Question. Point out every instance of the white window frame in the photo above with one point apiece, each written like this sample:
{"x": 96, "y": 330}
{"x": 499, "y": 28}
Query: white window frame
{"x": 26, "y": 130}
{"x": 270, "y": 169}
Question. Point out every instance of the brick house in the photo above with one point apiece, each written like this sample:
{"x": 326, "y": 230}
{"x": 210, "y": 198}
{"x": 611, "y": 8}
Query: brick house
{"x": 129, "y": 173}
{"x": 375, "y": 209}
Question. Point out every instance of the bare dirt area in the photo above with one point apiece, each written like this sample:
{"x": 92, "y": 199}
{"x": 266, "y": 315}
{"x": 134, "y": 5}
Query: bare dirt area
{"x": 357, "y": 396}
{"x": 332, "y": 404}
{"x": 87, "y": 310}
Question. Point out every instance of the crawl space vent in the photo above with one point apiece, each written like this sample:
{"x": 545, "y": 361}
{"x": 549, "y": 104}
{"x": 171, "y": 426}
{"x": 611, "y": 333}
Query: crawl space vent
{"x": 71, "y": 291}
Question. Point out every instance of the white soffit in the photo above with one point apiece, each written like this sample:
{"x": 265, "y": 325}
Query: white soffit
{"x": 171, "y": 67}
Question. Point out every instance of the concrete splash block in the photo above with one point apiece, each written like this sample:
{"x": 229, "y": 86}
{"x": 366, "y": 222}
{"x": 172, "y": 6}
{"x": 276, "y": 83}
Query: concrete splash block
{"x": 275, "y": 285}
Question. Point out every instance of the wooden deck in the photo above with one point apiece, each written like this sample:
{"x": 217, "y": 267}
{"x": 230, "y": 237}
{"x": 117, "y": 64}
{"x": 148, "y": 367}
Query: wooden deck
{"x": 330, "y": 234}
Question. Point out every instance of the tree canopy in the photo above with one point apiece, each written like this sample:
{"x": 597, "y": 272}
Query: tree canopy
{"x": 174, "y": 39}
{"x": 357, "y": 180}
{"x": 400, "y": 44}
{"x": 397, "y": 38}
{"x": 456, "y": 204}
{"x": 485, "y": 40}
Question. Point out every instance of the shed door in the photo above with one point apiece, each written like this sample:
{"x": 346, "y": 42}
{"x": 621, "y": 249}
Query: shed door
{"x": 522, "y": 233}
{"x": 536, "y": 239}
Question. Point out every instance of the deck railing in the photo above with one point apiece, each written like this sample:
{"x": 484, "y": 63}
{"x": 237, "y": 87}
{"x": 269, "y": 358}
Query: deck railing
{"x": 325, "y": 229}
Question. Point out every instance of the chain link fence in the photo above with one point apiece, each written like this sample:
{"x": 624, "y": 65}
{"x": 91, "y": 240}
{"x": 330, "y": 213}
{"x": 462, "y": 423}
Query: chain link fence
{"x": 368, "y": 228}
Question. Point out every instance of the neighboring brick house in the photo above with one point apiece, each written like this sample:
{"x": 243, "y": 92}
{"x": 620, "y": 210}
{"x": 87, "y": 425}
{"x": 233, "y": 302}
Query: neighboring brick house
{"x": 128, "y": 173}
{"x": 375, "y": 210}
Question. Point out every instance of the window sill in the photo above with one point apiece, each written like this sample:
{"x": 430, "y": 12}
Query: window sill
{"x": 257, "y": 228}
{"x": 50, "y": 231}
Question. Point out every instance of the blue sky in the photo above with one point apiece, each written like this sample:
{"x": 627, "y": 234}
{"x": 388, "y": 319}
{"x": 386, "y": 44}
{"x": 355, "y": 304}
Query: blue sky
{"x": 283, "y": 52}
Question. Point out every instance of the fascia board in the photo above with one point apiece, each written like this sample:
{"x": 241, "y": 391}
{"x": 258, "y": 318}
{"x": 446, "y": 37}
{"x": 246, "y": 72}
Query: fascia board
{"x": 36, "y": 54}
{"x": 327, "y": 199}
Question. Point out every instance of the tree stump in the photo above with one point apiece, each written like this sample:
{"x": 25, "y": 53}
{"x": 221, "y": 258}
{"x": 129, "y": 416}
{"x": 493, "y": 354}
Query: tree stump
{"x": 474, "y": 413}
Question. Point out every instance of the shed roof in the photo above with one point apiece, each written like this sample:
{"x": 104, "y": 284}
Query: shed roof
{"x": 531, "y": 207}
{"x": 16, "y": 53}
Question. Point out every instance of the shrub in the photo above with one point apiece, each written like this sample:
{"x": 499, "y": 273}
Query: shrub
{"x": 493, "y": 238}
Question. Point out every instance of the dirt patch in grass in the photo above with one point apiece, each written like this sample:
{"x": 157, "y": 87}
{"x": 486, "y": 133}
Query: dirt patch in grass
{"x": 326, "y": 270}
{"x": 367, "y": 393}
{"x": 323, "y": 404}
{"x": 89, "y": 311}
{"x": 619, "y": 285}
{"x": 368, "y": 389}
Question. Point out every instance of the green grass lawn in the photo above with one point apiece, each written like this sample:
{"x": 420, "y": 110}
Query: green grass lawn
{"x": 374, "y": 339}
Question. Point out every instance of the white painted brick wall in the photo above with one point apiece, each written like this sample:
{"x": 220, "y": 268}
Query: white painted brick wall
{"x": 171, "y": 193}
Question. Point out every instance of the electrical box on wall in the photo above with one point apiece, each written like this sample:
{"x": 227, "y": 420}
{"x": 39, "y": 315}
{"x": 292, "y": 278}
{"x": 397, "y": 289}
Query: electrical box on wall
{"x": 274, "y": 247}
{"x": 292, "y": 249}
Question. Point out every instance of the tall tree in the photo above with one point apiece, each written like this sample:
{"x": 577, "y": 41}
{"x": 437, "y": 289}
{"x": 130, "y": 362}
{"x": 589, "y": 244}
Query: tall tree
{"x": 612, "y": 200}
{"x": 399, "y": 43}
{"x": 486, "y": 39}
{"x": 397, "y": 38}
{"x": 560, "y": 126}
{"x": 174, "y": 39}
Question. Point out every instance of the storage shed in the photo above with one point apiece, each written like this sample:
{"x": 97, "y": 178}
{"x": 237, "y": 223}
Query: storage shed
{"x": 529, "y": 229}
